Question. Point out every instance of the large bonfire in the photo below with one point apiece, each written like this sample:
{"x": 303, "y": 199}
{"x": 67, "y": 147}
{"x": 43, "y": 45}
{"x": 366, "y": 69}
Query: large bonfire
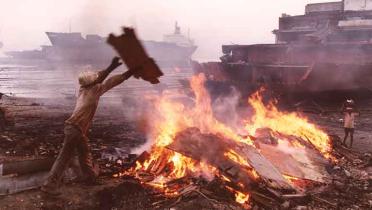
{"x": 172, "y": 117}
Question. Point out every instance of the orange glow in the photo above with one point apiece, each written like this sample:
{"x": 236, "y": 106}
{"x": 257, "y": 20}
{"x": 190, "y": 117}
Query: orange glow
{"x": 298, "y": 183}
{"x": 286, "y": 123}
{"x": 241, "y": 197}
{"x": 225, "y": 178}
{"x": 290, "y": 178}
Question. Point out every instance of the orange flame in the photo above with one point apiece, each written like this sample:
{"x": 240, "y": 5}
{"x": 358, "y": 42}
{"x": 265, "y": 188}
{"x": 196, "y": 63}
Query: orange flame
{"x": 240, "y": 197}
{"x": 170, "y": 117}
{"x": 287, "y": 123}
{"x": 173, "y": 117}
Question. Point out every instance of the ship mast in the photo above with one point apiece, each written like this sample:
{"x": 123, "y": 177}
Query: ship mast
{"x": 188, "y": 34}
{"x": 69, "y": 26}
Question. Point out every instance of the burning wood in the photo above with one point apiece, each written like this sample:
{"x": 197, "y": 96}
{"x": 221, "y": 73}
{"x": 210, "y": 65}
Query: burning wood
{"x": 238, "y": 161}
{"x": 190, "y": 144}
{"x": 294, "y": 159}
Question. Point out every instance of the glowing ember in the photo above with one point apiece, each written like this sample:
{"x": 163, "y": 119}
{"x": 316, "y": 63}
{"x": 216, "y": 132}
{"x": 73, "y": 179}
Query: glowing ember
{"x": 225, "y": 178}
{"x": 300, "y": 184}
{"x": 290, "y": 178}
{"x": 241, "y": 197}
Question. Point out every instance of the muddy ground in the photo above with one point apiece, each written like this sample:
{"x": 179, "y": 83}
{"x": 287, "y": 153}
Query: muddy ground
{"x": 33, "y": 128}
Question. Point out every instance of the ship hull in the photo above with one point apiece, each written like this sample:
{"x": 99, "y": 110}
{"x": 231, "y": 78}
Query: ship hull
{"x": 308, "y": 67}
{"x": 294, "y": 69}
{"x": 163, "y": 53}
{"x": 72, "y": 48}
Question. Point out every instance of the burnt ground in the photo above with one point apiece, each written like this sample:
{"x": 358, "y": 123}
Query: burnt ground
{"x": 33, "y": 128}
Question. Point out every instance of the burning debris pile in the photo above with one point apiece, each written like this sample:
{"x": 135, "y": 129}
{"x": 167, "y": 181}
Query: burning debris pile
{"x": 268, "y": 160}
{"x": 274, "y": 157}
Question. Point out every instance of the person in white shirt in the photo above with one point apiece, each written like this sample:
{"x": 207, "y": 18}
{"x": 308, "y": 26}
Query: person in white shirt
{"x": 349, "y": 112}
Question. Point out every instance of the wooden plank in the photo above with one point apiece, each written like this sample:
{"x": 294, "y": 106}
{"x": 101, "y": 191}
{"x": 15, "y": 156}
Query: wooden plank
{"x": 211, "y": 148}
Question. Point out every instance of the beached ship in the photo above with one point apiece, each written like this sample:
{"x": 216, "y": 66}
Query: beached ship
{"x": 72, "y": 48}
{"x": 328, "y": 48}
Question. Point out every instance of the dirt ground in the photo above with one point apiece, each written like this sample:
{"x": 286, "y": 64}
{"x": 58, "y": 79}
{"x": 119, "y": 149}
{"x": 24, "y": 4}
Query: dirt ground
{"x": 331, "y": 120}
{"x": 33, "y": 128}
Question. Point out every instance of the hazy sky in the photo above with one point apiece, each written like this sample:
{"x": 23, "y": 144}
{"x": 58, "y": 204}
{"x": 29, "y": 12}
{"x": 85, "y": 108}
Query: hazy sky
{"x": 211, "y": 22}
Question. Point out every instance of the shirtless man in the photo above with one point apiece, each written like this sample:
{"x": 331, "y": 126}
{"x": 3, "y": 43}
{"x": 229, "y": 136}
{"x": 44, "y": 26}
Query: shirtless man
{"x": 92, "y": 86}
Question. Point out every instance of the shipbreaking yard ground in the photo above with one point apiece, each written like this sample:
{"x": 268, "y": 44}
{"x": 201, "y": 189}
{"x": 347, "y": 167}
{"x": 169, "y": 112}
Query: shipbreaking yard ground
{"x": 33, "y": 129}
{"x": 279, "y": 161}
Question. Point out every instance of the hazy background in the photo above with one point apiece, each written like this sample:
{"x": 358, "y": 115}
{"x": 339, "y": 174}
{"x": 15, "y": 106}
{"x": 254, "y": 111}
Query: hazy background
{"x": 211, "y": 23}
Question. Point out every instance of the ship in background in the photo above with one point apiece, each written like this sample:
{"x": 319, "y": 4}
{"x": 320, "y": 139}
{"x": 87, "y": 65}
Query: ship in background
{"x": 326, "y": 50}
{"x": 72, "y": 48}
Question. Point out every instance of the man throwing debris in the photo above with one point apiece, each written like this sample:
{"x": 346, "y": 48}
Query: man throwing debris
{"x": 92, "y": 86}
{"x": 349, "y": 110}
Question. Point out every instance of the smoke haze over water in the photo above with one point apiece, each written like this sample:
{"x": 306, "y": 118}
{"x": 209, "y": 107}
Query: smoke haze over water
{"x": 211, "y": 23}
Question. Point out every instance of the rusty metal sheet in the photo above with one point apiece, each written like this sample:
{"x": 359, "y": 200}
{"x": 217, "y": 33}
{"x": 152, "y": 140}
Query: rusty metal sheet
{"x": 130, "y": 49}
{"x": 11, "y": 185}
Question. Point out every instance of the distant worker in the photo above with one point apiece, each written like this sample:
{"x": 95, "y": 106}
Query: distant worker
{"x": 349, "y": 110}
{"x": 92, "y": 86}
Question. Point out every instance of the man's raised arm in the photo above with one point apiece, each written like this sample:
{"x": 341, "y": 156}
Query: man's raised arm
{"x": 103, "y": 74}
{"x": 116, "y": 80}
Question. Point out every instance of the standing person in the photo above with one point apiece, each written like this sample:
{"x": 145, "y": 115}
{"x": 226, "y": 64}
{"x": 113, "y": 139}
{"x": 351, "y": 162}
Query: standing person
{"x": 92, "y": 86}
{"x": 349, "y": 112}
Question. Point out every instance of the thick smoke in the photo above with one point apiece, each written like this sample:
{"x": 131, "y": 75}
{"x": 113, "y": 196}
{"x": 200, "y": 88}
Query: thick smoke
{"x": 227, "y": 105}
